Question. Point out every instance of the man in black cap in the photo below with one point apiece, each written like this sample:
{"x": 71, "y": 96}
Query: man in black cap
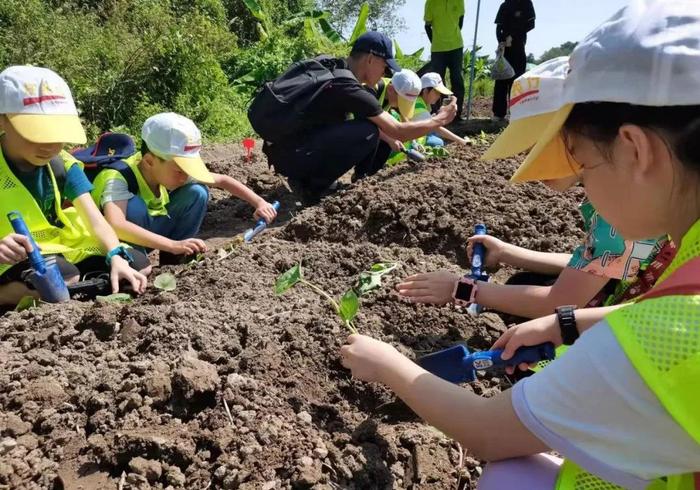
{"x": 345, "y": 126}
{"x": 515, "y": 18}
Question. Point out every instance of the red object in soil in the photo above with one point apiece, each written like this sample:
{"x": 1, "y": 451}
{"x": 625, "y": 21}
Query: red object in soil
{"x": 249, "y": 144}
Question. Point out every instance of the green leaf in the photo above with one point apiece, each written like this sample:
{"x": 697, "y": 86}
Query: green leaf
{"x": 115, "y": 298}
{"x": 165, "y": 282}
{"x": 382, "y": 268}
{"x": 367, "y": 282}
{"x": 255, "y": 9}
{"x": 26, "y": 302}
{"x": 398, "y": 52}
{"x": 328, "y": 31}
{"x": 288, "y": 279}
{"x": 361, "y": 24}
{"x": 349, "y": 305}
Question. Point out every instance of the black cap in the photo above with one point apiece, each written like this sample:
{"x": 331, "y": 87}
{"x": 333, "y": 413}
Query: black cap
{"x": 378, "y": 44}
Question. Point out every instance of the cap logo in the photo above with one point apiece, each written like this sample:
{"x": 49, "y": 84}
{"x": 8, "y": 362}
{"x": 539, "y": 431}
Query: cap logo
{"x": 520, "y": 92}
{"x": 31, "y": 90}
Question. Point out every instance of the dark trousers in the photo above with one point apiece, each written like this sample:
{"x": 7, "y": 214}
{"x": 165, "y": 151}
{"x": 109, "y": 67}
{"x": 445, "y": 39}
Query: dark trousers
{"x": 501, "y": 92}
{"x": 454, "y": 61}
{"x": 325, "y": 154}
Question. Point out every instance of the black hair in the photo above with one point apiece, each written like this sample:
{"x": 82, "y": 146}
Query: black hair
{"x": 679, "y": 126}
{"x": 144, "y": 148}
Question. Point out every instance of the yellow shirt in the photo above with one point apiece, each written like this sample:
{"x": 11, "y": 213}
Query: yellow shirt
{"x": 443, "y": 16}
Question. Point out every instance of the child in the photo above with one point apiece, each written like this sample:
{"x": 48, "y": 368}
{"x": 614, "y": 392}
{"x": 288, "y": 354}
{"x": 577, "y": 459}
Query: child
{"x": 432, "y": 90}
{"x": 167, "y": 211}
{"x": 37, "y": 117}
{"x": 599, "y": 271}
{"x": 621, "y": 405}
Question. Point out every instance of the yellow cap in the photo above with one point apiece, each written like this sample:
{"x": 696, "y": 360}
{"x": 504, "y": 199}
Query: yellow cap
{"x": 195, "y": 168}
{"x": 49, "y": 128}
{"x": 407, "y": 107}
{"x": 549, "y": 158}
{"x": 519, "y": 136}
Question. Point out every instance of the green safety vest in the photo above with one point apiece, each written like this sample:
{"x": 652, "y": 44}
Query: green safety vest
{"x": 660, "y": 334}
{"x": 73, "y": 240}
{"x": 156, "y": 204}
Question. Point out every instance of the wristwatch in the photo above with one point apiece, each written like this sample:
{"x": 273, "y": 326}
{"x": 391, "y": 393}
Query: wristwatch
{"x": 464, "y": 292}
{"x": 122, "y": 252}
{"x": 567, "y": 324}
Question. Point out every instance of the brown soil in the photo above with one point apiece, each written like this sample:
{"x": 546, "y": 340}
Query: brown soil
{"x": 133, "y": 396}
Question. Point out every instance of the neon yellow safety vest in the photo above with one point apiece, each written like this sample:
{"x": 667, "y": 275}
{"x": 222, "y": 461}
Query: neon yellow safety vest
{"x": 381, "y": 88}
{"x": 156, "y": 204}
{"x": 661, "y": 338}
{"x": 73, "y": 240}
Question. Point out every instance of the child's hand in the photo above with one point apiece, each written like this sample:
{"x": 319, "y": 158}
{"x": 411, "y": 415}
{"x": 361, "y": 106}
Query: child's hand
{"x": 368, "y": 358}
{"x": 121, "y": 270}
{"x": 266, "y": 211}
{"x": 14, "y": 248}
{"x": 432, "y": 287}
{"x": 534, "y": 332}
{"x": 189, "y": 246}
{"x": 495, "y": 250}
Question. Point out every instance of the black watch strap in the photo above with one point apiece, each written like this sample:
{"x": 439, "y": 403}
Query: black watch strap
{"x": 567, "y": 324}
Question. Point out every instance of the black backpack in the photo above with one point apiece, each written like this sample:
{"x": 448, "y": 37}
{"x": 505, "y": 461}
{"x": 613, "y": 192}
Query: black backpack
{"x": 109, "y": 151}
{"x": 278, "y": 110}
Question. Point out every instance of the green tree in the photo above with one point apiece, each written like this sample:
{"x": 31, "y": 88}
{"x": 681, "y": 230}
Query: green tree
{"x": 384, "y": 15}
{"x": 564, "y": 49}
{"x": 531, "y": 59}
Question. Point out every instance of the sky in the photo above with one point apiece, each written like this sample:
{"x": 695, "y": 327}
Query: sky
{"x": 558, "y": 21}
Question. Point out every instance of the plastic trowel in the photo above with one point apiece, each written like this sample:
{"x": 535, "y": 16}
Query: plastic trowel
{"x": 413, "y": 155}
{"x": 259, "y": 226}
{"x": 45, "y": 275}
{"x": 458, "y": 365}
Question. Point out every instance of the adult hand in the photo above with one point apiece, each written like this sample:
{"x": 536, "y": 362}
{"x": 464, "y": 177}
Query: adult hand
{"x": 396, "y": 145}
{"x": 534, "y": 332}
{"x": 447, "y": 113}
{"x": 368, "y": 358}
{"x": 432, "y": 287}
{"x": 121, "y": 270}
{"x": 265, "y": 210}
{"x": 14, "y": 248}
{"x": 189, "y": 246}
{"x": 495, "y": 250}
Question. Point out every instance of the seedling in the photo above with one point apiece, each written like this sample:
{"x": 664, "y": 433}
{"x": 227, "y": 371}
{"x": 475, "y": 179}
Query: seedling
{"x": 26, "y": 303}
{"x": 349, "y": 304}
{"x": 115, "y": 298}
{"x": 436, "y": 152}
{"x": 165, "y": 282}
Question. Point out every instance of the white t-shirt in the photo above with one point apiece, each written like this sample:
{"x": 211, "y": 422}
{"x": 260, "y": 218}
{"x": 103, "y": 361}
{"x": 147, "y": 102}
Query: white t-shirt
{"x": 592, "y": 407}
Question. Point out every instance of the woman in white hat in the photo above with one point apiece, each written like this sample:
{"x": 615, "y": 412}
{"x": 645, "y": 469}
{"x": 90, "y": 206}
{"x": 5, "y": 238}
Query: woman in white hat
{"x": 622, "y": 405}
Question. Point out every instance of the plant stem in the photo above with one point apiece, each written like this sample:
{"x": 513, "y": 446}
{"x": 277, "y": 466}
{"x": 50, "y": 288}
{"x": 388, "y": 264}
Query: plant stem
{"x": 349, "y": 325}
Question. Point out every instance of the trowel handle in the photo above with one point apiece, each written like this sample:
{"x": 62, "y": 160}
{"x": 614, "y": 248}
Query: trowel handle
{"x": 262, "y": 221}
{"x": 530, "y": 355}
{"x": 478, "y": 252}
{"x": 20, "y": 227}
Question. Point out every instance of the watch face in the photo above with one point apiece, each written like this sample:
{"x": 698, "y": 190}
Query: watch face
{"x": 464, "y": 291}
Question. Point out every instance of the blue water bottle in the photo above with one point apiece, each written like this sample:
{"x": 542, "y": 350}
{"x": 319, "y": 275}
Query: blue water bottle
{"x": 45, "y": 275}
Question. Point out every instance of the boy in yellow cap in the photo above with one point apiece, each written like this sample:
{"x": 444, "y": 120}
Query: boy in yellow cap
{"x": 37, "y": 117}
{"x": 167, "y": 210}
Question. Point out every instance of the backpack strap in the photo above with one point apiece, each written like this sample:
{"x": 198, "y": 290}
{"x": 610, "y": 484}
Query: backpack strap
{"x": 125, "y": 171}
{"x": 685, "y": 281}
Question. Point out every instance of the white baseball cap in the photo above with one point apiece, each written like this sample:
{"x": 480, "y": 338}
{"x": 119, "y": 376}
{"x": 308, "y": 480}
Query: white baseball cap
{"x": 434, "y": 80}
{"x": 534, "y": 99}
{"x": 171, "y": 136}
{"x": 408, "y": 86}
{"x": 39, "y": 105}
{"x": 646, "y": 54}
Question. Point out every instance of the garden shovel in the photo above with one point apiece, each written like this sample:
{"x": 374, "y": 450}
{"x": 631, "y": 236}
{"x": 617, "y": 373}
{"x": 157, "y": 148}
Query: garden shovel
{"x": 45, "y": 275}
{"x": 413, "y": 155}
{"x": 458, "y": 365}
{"x": 259, "y": 226}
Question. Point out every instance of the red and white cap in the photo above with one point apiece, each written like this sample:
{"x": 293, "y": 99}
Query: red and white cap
{"x": 39, "y": 105}
{"x": 535, "y": 97}
{"x": 171, "y": 136}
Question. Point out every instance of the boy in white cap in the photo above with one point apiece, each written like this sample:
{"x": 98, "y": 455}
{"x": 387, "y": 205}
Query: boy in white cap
{"x": 602, "y": 270}
{"x": 622, "y": 405}
{"x": 37, "y": 118}
{"x": 169, "y": 207}
{"x": 432, "y": 90}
